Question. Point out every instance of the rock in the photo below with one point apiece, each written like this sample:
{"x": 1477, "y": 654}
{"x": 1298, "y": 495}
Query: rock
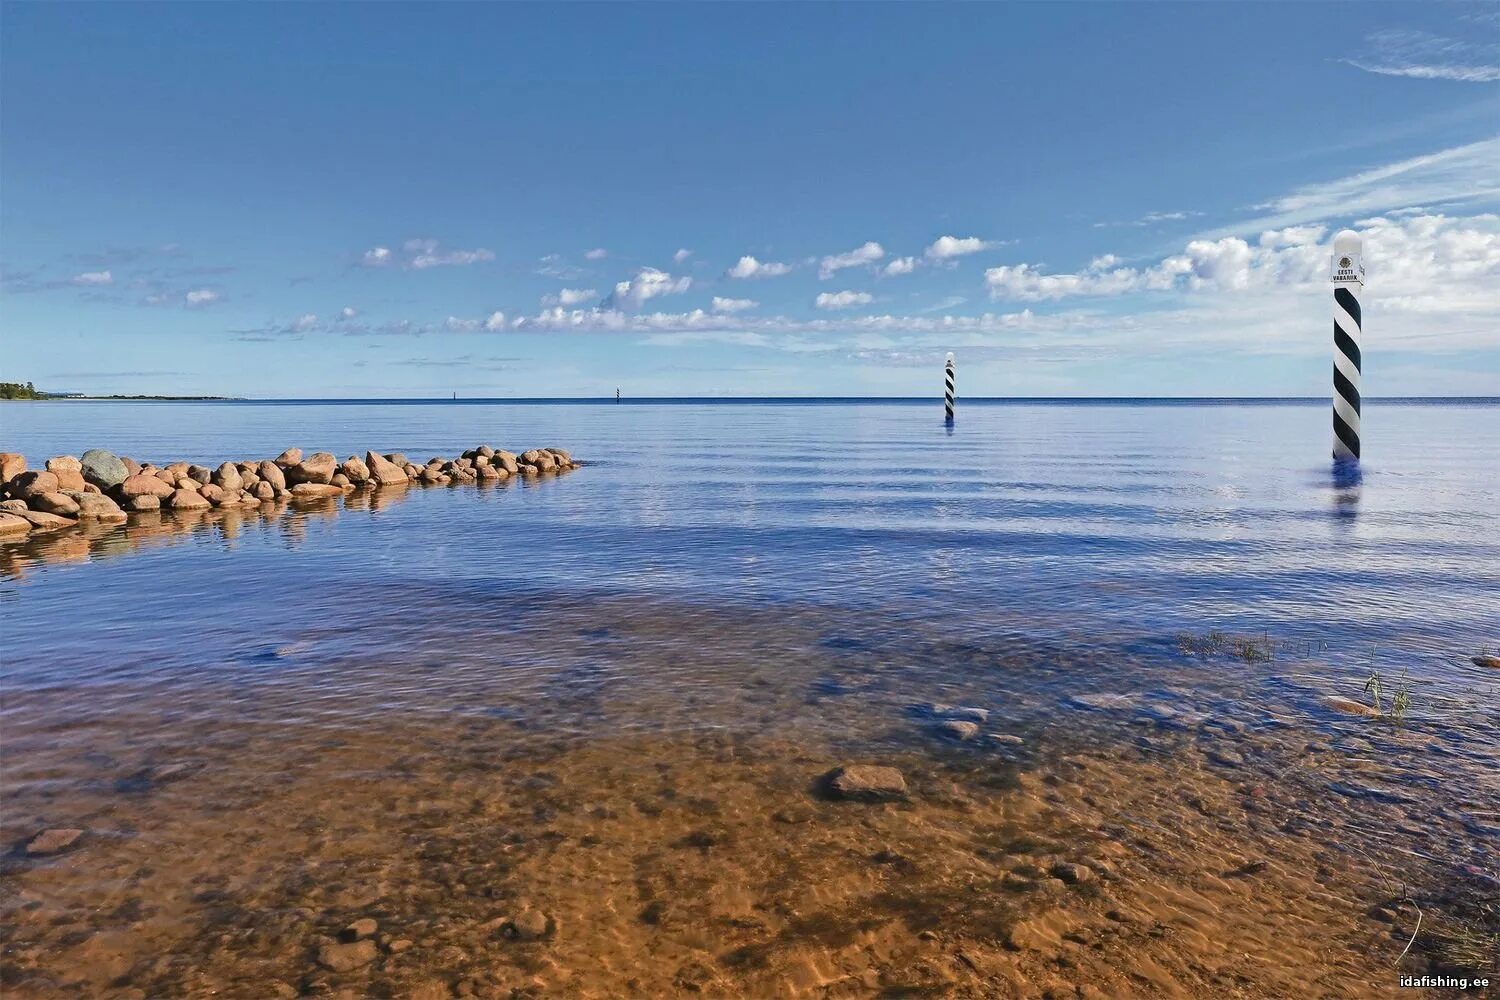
{"x": 1072, "y": 874}
{"x": 53, "y": 841}
{"x": 1007, "y": 739}
{"x": 1102, "y": 702}
{"x": 14, "y": 506}
{"x": 264, "y": 492}
{"x": 12, "y": 464}
{"x": 54, "y": 503}
{"x": 103, "y": 468}
{"x": 341, "y": 481}
{"x": 12, "y": 524}
{"x": 1341, "y": 704}
{"x": 957, "y": 729}
{"x": 433, "y": 475}
{"x": 42, "y": 521}
{"x": 1485, "y": 660}
{"x": 186, "y": 500}
{"x": 90, "y": 488}
{"x": 397, "y": 459}
{"x": 131, "y": 465}
{"x": 316, "y": 468}
{"x": 383, "y": 471}
{"x": 359, "y": 930}
{"x": 506, "y": 461}
{"x": 562, "y": 456}
{"x": 399, "y": 945}
{"x": 177, "y": 470}
{"x": 1226, "y": 758}
{"x": 227, "y": 477}
{"x": 213, "y": 494}
{"x": 271, "y": 473}
{"x": 347, "y": 956}
{"x": 60, "y": 463}
{"x": 143, "y": 502}
{"x": 189, "y": 483}
{"x": 141, "y": 484}
{"x": 289, "y": 457}
{"x": 29, "y": 484}
{"x": 412, "y": 471}
{"x": 98, "y": 507}
{"x": 529, "y": 925}
{"x": 315, "y": 491}
{"x": 865, "y": 783}
{"x": 487, "y": 471}
{"x": 355, "y": 470}
{"x": 481, "y": 461}
{"x": 202, "y": 473}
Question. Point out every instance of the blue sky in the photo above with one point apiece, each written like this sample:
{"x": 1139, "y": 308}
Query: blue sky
{"x": 351, "y": 200}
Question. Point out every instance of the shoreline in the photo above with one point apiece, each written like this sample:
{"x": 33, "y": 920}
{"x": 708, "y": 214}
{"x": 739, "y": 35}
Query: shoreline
{"x": 102, "y": 488}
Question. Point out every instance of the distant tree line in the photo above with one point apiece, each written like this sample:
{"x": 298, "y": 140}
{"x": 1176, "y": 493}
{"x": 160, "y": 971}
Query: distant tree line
{"x": 20, "y": 390}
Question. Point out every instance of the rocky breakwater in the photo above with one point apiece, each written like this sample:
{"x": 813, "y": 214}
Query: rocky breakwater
{"x": 105, "y": 488}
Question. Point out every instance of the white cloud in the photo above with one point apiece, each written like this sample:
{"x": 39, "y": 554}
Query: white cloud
{"x": 681, "y": 255}
{"x": 570, "y": 297}
{"x": 647, "y": 284}
{"x": 598, "y": 253}
{"x": 348, "y": 312}
{"x": 493, "y": 323}
{"x": 94, "y": 278}
{"x": 723, "y": 305}
{"x": 843, "y": 300}
{"x": 1151, "y": 219}
{"x": 422, "y": 254}
{"x": 868, "y": 253}
{"x": 201, "y": 297}
{"x": 1450, "y": 176}
{"x": 749, "y": 267}
{"x": 899, "y": 266}
{"x": 304, "y": 323}
{"x": 1424, "y": 56}
{"x": 948, "y": 247}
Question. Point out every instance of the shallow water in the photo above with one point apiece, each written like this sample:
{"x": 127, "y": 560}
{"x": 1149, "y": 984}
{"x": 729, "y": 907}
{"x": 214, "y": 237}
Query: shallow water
{"x": 726, "y": 601}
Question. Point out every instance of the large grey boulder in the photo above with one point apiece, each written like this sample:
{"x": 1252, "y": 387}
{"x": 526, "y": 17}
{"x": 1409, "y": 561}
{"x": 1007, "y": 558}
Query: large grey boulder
{"x": 103, "y": 468}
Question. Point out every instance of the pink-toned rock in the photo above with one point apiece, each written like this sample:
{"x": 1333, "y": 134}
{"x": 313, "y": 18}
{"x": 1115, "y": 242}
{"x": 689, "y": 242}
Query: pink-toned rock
{"x": 544, "y": 462}
{"x": 271, "y": 473}
{"x": 42, "y": 521}
{"x": 315, "y": 491}
{"x": 53, "y": 841}
{"x": 70, "y": 479}
{"x": 12, "y": 464}
{"x": 13, "y": 506}
{"x": 131, "y": 465}
{"x": 98, "y": 507}
{"x": 357, "y": 471}
{"x": 228, "y": 478}
{"x": 341, "y": 481}
{"x": 64, "y": 463}
{"x": 264, "y": 492}
{"x": 505, "y": 460}
{"x": 178, "y": 470}
{"x": 186, "y": 500}
{"x": 315, "y": 468}
{"x": 289, "y": 457}
{"x": 865, "y": 783}
{"x": 27, "y": 484}
{"x": 91, "y": 488}
{"x": 13, "y": 524}
{"x": 167, "y": 476}
{"x": 487, "y": 471}
{"x": 142, "y": 502}
{"x": 383, "y": 471}
{"x": 433, "y": 474}
{"x": 141, "y": 484}
{"x": 202, "y": 473}
{"x": 563, "y": 457}
{"x": 53, "y": 503}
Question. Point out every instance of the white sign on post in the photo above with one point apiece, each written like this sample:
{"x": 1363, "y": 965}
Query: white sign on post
{"x": 1347, "y": 269}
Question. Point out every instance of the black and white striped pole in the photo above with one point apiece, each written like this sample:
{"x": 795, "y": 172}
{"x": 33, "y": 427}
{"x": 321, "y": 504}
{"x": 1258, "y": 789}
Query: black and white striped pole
{"x": 948, "y": 389}
{"x": 1348, "y": 275}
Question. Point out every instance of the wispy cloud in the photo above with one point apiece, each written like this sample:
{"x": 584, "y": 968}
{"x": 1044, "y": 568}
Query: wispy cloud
{"x": 1150, "y": 219}
{"x": 843, "y": 300}
{"x": 93, "y": 278}
{"x": 867, "y": 253}
{"x": 570, "y": 297}
{"x": 199, "y": 298}
{"x": 723, "y": 305}
{"x": 422, "y": 254}
{"x": 598, "y": 253}
{"x": 1424, "y": 56}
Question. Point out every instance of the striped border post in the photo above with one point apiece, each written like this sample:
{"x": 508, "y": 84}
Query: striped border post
{"x": 1348, "y": 274}
{"x": 948, "y": 389}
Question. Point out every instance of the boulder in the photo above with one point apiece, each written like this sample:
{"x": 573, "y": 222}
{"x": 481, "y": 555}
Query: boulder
{"x": 264, "y": 492}
{"x": 227, "y": 477}
{"x": 485, "y": 451}
{"x": 131, "y": 465}
{"x": 412, "y": 471}
{"x": 167, "y": 476}
{"x": 202, "y": 473}
{"x": 12, "y": 464}
{"x": 397, "y": 459}
{"x": 29, "y": 484}
{"x": 1485, "y": 660}
{"x": 316, "y": 468}
{"x": 13, "y": 524}
{"x": 177, "y": 470}
{"x": 98, "y": 507}
{"x": 271, "y": 473}
{"x": 341, "y": 481}
{"x": 14, "y": 506}
{"x": 481, "y": 461}
{"x": 143, "y": 502}
{"x": 562, "y": 456}
{"x": 289, "y": 457}
{"x": 383, "y": 471}
{"x": 140, "y": 485}
{"x": 355, "y": 470}
{"x": 433, "y": 474}
{"x": 103, "y": 468}
{"x": 85, "y": 488}
{"x": 42, "y": 521}
{"x": 544, "y": 462}
{"x": 189, "y": 483}
{"x": 54, "y": 503}
{"x": 64, "y": 463}
{"x": 505, "y": 460}
{"x": 186, "y": 500}
{"x": 488, "y": 472}
{"x": 865, "y": 783}
{"x": 315, "y": 491}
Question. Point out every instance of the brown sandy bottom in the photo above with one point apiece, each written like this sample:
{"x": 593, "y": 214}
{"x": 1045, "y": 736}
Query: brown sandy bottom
{"x": 599, "y": 831}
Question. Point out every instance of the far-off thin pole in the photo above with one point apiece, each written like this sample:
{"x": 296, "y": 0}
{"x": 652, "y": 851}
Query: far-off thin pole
{"x": 948, "y": 389}
{"x": 1348, "y": 274}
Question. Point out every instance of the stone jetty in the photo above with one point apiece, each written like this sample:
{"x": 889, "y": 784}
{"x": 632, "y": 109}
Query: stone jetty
{"x": 103, "y": 488}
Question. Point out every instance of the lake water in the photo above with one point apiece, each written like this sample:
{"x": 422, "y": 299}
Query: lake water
{"x": 795, "y": 581}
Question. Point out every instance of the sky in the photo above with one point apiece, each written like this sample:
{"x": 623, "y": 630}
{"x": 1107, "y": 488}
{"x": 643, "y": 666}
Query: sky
{"x": 390, "y": 200}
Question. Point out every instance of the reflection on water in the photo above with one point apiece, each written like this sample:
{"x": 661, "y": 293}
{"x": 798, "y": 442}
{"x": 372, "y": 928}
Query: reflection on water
{"x": 565, "y": 738}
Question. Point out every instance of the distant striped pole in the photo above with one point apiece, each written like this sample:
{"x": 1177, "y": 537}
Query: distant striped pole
{"x": 948, "y": 389}
{"x": 1348, "y": 274}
